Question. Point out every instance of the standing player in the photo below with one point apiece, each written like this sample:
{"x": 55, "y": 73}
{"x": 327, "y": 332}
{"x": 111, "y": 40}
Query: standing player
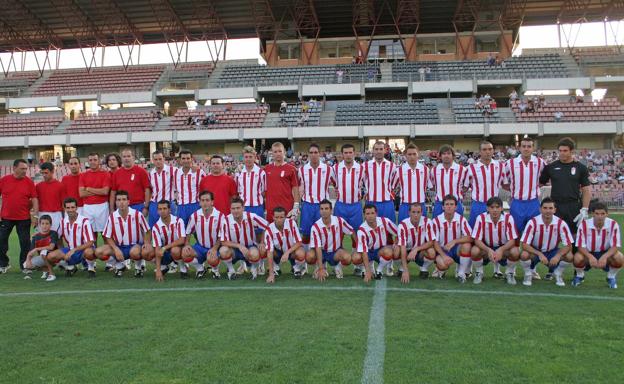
{"x": 599, "y": 242}
{"x": 222, "y": 185}
{"x": 94, "y": 185}
{"x": 71, "y": 182}
{"x": 380, "y": 180}
{"x": 448, "y": 179}
{"x": 251, "y": 183}
{"x": 484, "y": 178}
{"x": 50, "y": 193}
{"x": 134, "y": 180}
{"x": 206, "y": 223}
{"x": 326, "y": 246}
{"x": 414, "y": 180}
{"x": 374, "y": 242}
{"x": 238, "y": 238}
{"x": 186, "y": 181}
{"x": 78, "y": 235}
{"x": 168, "y": 238}
{"x": 348, "y": 181}
{"x": 416, "y": 242}
{"x": 161, "y": 184}
{"x": 127, "y": 237}
{"x": 452, "y": 240}
{"x": 495, "y": 236}
{"x": 283, "y": 243}
{"x": 314, "y": 179}
{"x": 282, "y": 184}
{"x": 540, "y": 242}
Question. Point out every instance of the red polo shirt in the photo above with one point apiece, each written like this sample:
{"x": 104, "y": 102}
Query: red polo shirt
{"x": 95, "y": 179}
{"x": 133, "y": 180}
{"x": 50, "y": 196}
{"x": 280, "y": 182}
{"x": 70, "y": 184}
{"x": 223, "y": 187}
{"x": 16, "y": 194}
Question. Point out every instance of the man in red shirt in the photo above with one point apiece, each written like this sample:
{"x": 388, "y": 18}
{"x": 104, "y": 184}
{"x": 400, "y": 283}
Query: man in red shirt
{"x": 70, "y": 182}
{"x": 134, "y": 180}
{"x": 50, "y": 193}
{"x": 222, "y": 185}
{"x": 18, "y": 193}
{"x": 94, "y": 186}
{"x": 282, "y": 184}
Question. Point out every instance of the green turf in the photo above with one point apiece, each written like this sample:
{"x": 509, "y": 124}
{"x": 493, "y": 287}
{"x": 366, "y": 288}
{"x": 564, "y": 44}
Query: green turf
{"x": 439, "y": 332}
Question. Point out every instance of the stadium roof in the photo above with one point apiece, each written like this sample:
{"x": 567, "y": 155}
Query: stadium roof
{"x": 40, "y": 24}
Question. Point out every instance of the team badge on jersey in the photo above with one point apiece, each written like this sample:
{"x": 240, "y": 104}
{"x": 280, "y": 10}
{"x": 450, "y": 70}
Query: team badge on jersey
{"x": 573, "y": 171}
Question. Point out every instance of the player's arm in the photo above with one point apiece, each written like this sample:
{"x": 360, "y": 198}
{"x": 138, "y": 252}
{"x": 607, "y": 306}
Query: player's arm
{"x": 111, "y": 200}
{"x": 159, "y": 252}
{"x": 85, "y": 192}
{"x": 440, "y": 250}
{"x": 117, "y": 252}
{"x": 592, "y": 260}
{"x": 84, "y": 246}
{"x": 544, "y": 177}
{"x": 508, "y": 245}
{"x": 148, "y": 197}
{"x": 587, "y": 196}
{"x": 319, "y": 261}
{"x": 405, "y": 275}
{"x": 426, "y": 245}
{"x": 35, "y": 211}
{"x": 180, "y": 242}
{"x": 482, "y": 246}
{"x": 529, "y": 248}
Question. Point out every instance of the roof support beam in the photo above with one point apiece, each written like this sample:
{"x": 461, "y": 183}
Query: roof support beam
{"x": 174, "y": 31}
{"x": 307, "y": 27}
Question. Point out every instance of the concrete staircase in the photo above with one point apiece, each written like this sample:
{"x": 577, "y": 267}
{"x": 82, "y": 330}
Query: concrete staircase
{"x": 163, "y": 124}
{"x": 446, "y": 115}
{"x": 386, "y": 72}
{"x": 573, "y": 69}
{"x": 34, "y": 86}
{"x": 272, "y": 120}
{"x": 62, "y": 128}
{"x": 328, "y": 119}
{"x": 506, "y": 115}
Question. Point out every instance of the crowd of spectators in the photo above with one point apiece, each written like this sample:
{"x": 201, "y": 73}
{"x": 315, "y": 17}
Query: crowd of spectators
{"x": 486, "y": 104}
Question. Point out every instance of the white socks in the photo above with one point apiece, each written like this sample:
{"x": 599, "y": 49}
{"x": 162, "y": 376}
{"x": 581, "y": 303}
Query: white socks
{"x": 561, "y": 267}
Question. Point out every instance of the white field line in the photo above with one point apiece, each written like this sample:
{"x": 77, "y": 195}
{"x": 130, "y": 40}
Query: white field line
{"x": 373, "y": 369}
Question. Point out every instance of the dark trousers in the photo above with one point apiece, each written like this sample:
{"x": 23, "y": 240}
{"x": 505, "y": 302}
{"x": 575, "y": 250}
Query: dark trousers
{"x": 567, "y": 211}
{"x": 23, "y": 233}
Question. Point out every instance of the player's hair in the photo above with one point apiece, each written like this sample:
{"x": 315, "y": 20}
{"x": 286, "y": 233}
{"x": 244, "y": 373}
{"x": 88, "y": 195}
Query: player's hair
{"x": 449, "y": 198}
{"x": 278, "y": 210}
{"x": 69, "y": 200}
{"x": 121, "y": 193}
{"x": 216, "y": 157}
{"x": 326, "y": 202}
{"x": 94, "y": 154}
{"x": 595, "y": 205}
{"x": 369, "y": 206}
{"x": 277, "y": 144}
{"x": 347, "y": 146}
{"x": 47, "y": 218}
{"x": 128, "y": 150}
{"x": 74, "y": 157}
{"x": 164, "y": 202}
{"x": 566, "y": 142}
{"x": 494, "y": 201}
{"x": 379, "y": 142}
{"x": 446, "y": 148}
{"x": 415, "y": 205}
{"x": 485, "y": 142}
{"x": 17, "y": 162}
{"x": 547, "y": 200}
{"x": 411, "y": 146}
{"x": 528, "y": 139}
{"x": 237, "y": 200}
{"x": 115, "y": 155}
{"x": 185, "y": 152}
{"x": 157, "y": 152}
{"x": 47, "y": 166}
{"x": 249, "y": 149}
{"x": 314, "y": 145}
{"x": 203, "y": 193}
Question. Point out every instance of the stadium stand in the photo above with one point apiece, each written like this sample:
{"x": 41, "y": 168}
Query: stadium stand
{"x": 114, "y": 121}
{"x": 232, "y": 116}
{"x": 467, "y": 113}
{"x": 38, "y": 123}
{"x": 386, "y": 113}
{"x": 186, "y": 76}
{"x": 110, "y": 79}
{"x": 294, "y": 115}
{"x": 14, "y": 83}
{"x": 609, "y": 109}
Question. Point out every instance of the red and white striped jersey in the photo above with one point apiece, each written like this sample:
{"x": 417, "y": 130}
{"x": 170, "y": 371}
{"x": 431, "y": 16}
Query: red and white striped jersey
{"x": 380, "y": 180}
{"x": 243, "y": 232}
{"x": 370, "y": 239}
{"x": 207, "y": 229}
{"x": 523, "y": 179}
{"x": 412, "y": 236}
{"x": 163, "y": 234}
{"x": 493, "y": 234}
{"x": 128, "y": 231}
{"x": 546, "y": 237}
{"x": 187, "y": 185}
{"x": 282, "y": 240}
{"x": 162, "y": 184}
{"x": 348, "y": 182}
{"x": 599, "y": 240}
{"x": 329, "y": 237}
{"x": 484, "y": 180}
{"x": 448, "y": 181}
{"x": 446, "y": 231}
{"x": 315, "y": 182}
{"x": 414, "y": 183}
{"x": 251, "y": 185}
{"x": 78, "y": 232}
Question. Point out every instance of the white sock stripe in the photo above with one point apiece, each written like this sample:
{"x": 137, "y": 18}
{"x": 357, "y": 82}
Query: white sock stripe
{"x": 373, "y": 369}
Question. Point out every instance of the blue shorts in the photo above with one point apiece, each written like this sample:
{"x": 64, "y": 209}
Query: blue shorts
{"x": 125, "y": 250}
{"x": 138, "y": 207}
{"x": 328, "y": 257}
{"x": 167, "y": 259}
{"x": 352, "y": 213}
{"x": 438, "y": 209}
{"x": 258, "y": 210}
{"x": 476, "y": 208}
{"x": 385, "y": 209}
{"x": 310, "y": 213}
{"x": 524, "y": 210}
{"x": 186, "y": 210}
{"x": 277, "y": 256}
{"x": 373, "y": 255}
{"x": 597, "y": 255}
{"x": 453, "y": 253}
{"x": 404, "y": 211}
{"x": 201, "y": 253}
{"x": 503, "y": 262}
{"x": 76, "y": 258}
{"x": 549, "y": 255}
{"x": 238, "y": 255}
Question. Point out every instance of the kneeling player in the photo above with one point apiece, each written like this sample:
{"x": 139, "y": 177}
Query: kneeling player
{"x": 168, "y": 237}
{"x": 540, "y": 242}
{"x": 283, "y": 243}
{"x": 127, "y": 237}
{"x": 238, "y": 238}
{"x": 78, "y": 234}
{"x": 452, "y": 240}
{"x": 598, "y": 241}
{"x": 373, "y": 242}
{"x": 326, "y": 243}
{"x": 495, "y": 237}
{"x": 206, "y": 223}
{"x": 416, "y": 242}
{"x": 43, "y": 242}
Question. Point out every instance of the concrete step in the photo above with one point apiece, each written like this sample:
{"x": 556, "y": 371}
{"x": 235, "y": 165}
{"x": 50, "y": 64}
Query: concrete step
{"x": 328, "y": 118}
{"x": 163, "y": 124}
{"x": 34, "y": 86}
{"x": 61, "y": 128}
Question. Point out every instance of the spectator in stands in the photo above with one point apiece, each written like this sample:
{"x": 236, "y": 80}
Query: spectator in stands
{"x": 282, "y": 108}
{"x": 421, "y": 73}
{"x": 490, "y": 60}
{"x": 370, "y": 74}
{"x": 513, "y": 96}
{"x": 522, "y": 106}
{"x": 579, "y": 99}
{"x": 530, "y": 106}
{"x": 427, "y": 73}
{"x": 210, "y": 118}
{"x": 558, "y": 116}
{"x": 339, "y": 75}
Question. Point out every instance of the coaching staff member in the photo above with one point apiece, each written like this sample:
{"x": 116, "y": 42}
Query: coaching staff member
{"x": 570, "y": 185}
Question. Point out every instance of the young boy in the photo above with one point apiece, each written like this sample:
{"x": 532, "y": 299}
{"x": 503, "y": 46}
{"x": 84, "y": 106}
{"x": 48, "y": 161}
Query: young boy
{"x": 44, "y": 241}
